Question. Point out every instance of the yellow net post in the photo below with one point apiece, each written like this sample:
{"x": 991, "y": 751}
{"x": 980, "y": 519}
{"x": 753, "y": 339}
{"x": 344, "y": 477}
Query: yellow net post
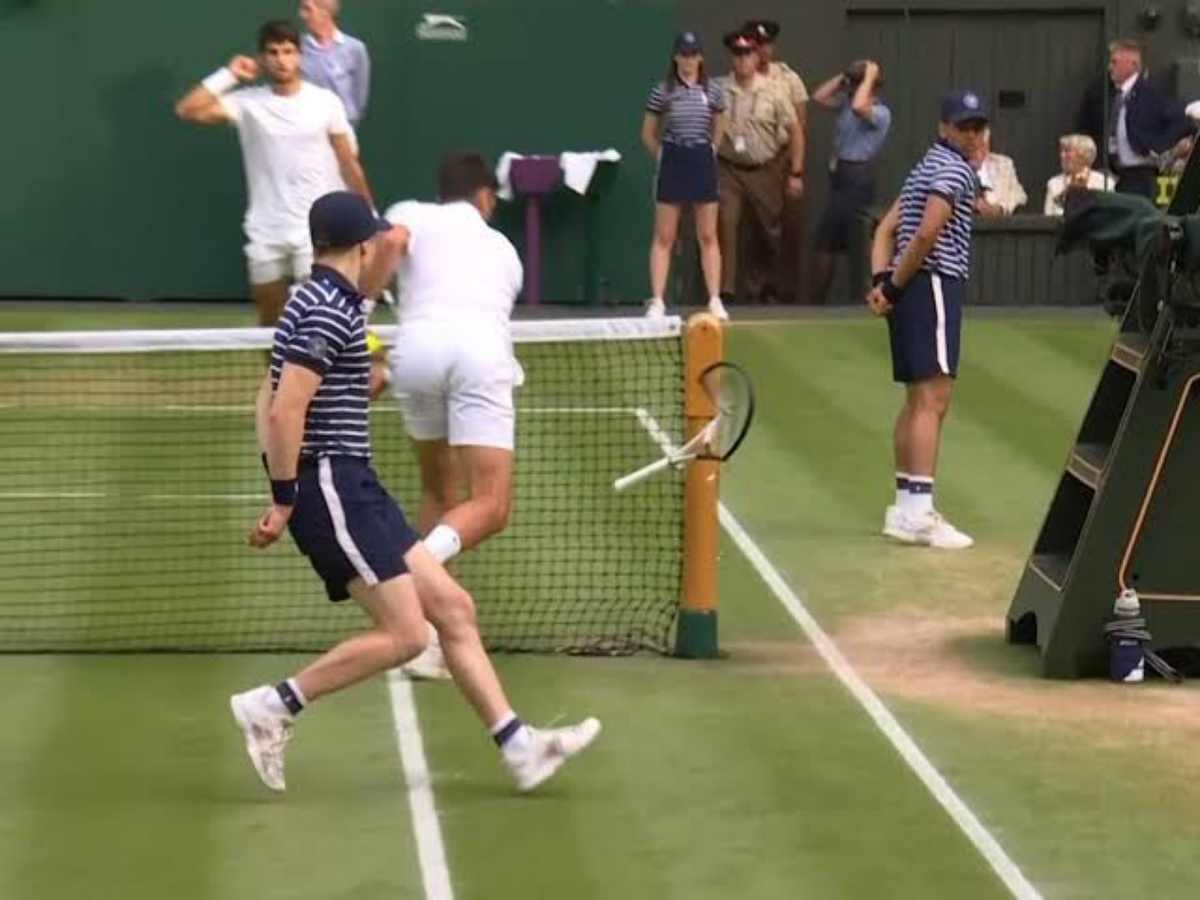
{"x": 696, "y": 630}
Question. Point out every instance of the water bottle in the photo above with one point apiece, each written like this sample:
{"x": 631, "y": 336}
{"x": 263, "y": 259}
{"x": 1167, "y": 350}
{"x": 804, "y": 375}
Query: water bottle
{"x": 1126, "y": 658}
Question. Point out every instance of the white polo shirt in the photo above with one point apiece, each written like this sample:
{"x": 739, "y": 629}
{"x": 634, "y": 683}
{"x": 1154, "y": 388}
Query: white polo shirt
{"x": 287, "y": 156}
{"x": 458, "y": 269}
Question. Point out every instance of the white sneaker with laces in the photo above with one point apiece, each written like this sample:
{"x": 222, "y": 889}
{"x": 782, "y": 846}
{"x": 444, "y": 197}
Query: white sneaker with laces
{"x": 266, "y": 732}
{"x": 717, "y": 308}
{"x": 430, "y": 663}
{"x": 932, "y": 530}
{"x": 655, "y": 308}
{"x": 546, "y": 750}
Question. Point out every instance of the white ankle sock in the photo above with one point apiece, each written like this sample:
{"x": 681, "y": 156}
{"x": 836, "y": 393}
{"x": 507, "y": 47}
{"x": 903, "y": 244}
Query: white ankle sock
{"x": 919, "y": 498}
{"x": 901, "y": 487}
{"x": 515, "y": 742}
{"x": 443, "y": 542}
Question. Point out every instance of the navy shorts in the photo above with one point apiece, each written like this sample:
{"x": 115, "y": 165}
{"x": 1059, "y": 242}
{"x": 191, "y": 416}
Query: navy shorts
{"x": 347, "y": 524}
{"x": 687, "y": 174}
{"x": 925, "y": 327}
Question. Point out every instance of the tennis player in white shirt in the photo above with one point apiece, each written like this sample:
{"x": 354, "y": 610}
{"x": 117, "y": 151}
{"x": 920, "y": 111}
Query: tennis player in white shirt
{"x": 296, "y": 146}
{"x": 452, "y": 369}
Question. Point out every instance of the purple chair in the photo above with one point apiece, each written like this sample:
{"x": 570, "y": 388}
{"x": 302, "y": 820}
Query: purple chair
{"x": 532, "y": 179}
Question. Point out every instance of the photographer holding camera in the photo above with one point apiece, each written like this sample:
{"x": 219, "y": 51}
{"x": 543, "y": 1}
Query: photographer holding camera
{"x": 862, "y": 126}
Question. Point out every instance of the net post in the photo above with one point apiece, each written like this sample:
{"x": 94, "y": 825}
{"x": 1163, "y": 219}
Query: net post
{"x": 696, "y": 629}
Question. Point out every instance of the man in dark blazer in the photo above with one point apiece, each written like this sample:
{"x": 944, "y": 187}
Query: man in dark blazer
{"x": 1133, "y": 121}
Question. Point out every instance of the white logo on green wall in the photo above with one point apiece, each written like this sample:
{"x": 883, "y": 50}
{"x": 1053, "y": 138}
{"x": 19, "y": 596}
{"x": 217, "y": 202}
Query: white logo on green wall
{"x": 442, "y": 27}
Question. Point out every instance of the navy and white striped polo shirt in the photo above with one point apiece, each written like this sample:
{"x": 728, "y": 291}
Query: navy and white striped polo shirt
{"x": 943, "y": 171}
{"x": 687, "y": 110}
{"x": 323, "y": 329}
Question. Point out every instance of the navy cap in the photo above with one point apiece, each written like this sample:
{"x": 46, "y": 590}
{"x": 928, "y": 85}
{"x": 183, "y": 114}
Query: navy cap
{"x": 687, "y": 43}
{"x": 343, "y": 219}
{"x": 963, "y": 106}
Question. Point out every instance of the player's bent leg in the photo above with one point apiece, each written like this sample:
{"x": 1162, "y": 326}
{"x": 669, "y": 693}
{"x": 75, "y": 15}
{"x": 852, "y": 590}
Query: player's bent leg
{"x": 531, "y": 755}
{"x": 398, "y": 634}
{"x": 443, "y": 482}
{"x": 489, "y": 485}
{"x": 266, "y": 714}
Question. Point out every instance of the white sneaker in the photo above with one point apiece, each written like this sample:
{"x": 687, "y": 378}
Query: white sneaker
{"x": 266, "y": 731}
{"x": 893, "y": 526}
{"x": 655, "y": 308}
{"x": 546, "y": 750}
{"x": 931, "y": 530}
{"x": 430, "y": 663}
{"x": 717, "y": 308}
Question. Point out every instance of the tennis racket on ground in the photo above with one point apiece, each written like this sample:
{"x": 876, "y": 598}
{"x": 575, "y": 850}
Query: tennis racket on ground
{"x": 732, "y": 393}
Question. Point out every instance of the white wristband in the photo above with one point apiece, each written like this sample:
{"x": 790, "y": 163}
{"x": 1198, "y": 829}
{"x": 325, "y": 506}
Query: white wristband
{"x": 220, "y": 81}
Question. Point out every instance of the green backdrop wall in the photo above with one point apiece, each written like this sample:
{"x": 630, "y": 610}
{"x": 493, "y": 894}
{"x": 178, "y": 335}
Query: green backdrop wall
{"x": 108, "y": 195}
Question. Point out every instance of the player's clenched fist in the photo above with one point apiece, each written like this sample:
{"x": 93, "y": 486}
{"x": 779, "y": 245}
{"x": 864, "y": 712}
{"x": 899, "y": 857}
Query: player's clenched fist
{"x": 244, "y": 67}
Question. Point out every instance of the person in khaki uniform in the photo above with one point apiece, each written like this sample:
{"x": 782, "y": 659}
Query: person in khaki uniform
{"x": 753, "y": 169}
{"x": 785, "y": 78}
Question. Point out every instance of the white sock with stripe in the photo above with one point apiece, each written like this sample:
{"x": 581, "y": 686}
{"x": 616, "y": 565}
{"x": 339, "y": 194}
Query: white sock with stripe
{"x": 918, "y": 500}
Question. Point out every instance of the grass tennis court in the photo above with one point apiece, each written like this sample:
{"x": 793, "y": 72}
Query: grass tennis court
{"x": 757, "y": 776}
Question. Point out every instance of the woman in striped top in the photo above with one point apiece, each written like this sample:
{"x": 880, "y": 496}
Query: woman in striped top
{"x": 684, "y": 122}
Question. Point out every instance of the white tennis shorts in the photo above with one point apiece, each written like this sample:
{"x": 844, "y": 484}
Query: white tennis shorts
{"x": 267, "y": 262}
{"x": 455, "y": 385}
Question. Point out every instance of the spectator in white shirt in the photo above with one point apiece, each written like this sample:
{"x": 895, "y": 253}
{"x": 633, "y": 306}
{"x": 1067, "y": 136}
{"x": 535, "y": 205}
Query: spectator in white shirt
{"x": 1076, "y": 154}
{"x": 1002, "y": 192}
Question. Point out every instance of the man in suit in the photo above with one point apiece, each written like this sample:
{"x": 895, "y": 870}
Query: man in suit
{"x": 1133, "y": 120}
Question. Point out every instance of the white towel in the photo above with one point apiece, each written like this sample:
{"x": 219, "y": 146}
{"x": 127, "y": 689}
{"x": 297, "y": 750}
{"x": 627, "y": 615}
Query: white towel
{"x": 578, "y": 168}
{"x": 503, "y": 175}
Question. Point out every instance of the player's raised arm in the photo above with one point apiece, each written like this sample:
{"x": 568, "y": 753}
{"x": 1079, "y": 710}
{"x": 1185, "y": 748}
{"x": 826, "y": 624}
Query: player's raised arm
{"x": 202, "y": 104}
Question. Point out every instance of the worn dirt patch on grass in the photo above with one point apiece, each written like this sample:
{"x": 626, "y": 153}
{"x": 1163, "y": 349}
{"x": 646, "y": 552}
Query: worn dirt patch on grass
{"x": 965, "y": 664}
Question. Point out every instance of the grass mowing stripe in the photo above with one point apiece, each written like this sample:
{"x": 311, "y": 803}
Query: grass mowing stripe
{"x": 988, "y": 846}
{"x": 431, "y": 852}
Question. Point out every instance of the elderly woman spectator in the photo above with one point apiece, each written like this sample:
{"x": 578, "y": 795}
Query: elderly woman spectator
{"x": 1076, "y": 154}
{"x": 1002, "y": 192}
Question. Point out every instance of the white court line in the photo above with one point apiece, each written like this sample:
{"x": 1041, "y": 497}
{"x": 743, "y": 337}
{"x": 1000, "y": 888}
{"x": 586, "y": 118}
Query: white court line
{"x": 60, "y": 495}
{"x": 431, "y": 852}
{"x": 154, "y": 498}
{"x": 534, "y": 410}
{"x": 937, "y": 785}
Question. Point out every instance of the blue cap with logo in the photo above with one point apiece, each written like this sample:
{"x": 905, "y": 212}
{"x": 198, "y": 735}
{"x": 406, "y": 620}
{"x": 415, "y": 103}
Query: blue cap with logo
{"x": 959, "y": 107}
{"x": 343, "y": 219}
{"x": 687, "y": 43}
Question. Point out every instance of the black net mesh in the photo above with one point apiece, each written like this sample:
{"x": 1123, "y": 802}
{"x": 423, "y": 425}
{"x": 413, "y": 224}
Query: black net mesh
{"x": 132, "y": 476}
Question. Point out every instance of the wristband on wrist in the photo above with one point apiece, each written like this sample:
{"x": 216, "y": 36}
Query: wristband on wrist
{"x": 890, "y": 290}
{"x": 283, "y": 491}
{"x": 880, "y": 277}
{"x": 221, "y": 81}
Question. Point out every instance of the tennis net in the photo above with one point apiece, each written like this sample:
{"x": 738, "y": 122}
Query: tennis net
{"x": 132, "y": 477}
